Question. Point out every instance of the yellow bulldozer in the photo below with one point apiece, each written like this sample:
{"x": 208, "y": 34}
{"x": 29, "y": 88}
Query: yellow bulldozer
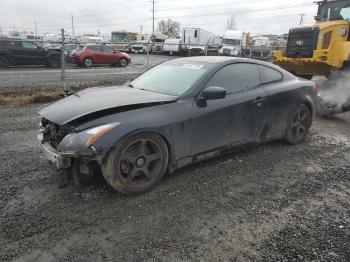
{"x": 322, "y": 48}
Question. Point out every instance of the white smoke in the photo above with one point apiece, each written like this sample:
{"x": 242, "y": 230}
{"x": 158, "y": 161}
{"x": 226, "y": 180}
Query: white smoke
{"x": 336, "y": 90}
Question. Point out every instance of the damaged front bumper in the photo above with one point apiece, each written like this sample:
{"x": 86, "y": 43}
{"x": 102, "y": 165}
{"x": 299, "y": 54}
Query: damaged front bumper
{"x": 59, "y": 159}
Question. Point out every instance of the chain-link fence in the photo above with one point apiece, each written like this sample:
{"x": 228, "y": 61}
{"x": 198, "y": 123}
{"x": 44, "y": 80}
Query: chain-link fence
{"x": 65, "y": 63}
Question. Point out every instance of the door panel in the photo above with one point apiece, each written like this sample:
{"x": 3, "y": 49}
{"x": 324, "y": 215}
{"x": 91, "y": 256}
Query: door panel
{"x": 238, "y": 119}
{"x": 32, "y": 54}
{"x": 109, "y": 57}
{"x": 97, "y": 54}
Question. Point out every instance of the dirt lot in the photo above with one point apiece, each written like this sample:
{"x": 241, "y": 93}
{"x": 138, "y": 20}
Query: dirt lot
{"x": 271, "y": 203}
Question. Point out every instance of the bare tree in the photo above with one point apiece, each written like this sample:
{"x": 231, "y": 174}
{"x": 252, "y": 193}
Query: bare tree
{"x": 231, "y": 23}
{"x": 169, "y": 27}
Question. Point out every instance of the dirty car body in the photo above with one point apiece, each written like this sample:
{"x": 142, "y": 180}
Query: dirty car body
{"x": 203, "y": 120}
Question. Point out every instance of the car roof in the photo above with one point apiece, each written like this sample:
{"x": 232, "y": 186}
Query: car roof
{"x": 221, "y": 59}
{"x": 217, "y": 60}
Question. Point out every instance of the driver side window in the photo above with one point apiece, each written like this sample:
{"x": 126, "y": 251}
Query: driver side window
{"x": 29, "y": 45}
{"x": 236, "y": 77}
{"x": 107, "y": 49}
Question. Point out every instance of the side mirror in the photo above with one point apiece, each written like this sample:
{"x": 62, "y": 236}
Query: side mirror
{"x": 214, "y": 93}
{"x": 318, "y": 18}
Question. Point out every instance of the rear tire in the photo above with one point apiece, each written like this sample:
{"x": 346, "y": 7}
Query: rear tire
{"x": 88, "y": 62}
{"x": 136, "y": 164}
{"x": 54, "y": 62}
{"x": 299, "y": 125}
{"x": 4, "y": 63}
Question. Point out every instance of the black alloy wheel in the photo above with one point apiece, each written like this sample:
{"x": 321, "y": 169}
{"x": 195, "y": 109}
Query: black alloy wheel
{"x": 136, "y": 164}
{"x": 299, "y": 125}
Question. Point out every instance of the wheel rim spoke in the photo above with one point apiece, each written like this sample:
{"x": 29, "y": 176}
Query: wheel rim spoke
{"x": 299, "y": 115}
{"x": 147, "y": 173}
{"x": 303, "y": 118}
{"x": 140, "y": 162}
{"x": 153, "y": 157}
{"x": 143, "y": 147}
{"x": 295, "y": 124}
{"x": 129, "y": 159}
{"x": 131, "y": 176}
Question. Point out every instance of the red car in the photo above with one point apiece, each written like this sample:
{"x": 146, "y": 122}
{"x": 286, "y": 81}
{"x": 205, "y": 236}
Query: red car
{"x": 90, "y": 55}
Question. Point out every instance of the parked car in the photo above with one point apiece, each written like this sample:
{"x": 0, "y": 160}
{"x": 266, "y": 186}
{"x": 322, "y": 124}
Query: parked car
{"x": 140, "y": 47}
{"x": 177, "y": 113}
{"x": 68, "y": 49}
{"x": 90, "y": 55}
{"x": 14, "y": 52}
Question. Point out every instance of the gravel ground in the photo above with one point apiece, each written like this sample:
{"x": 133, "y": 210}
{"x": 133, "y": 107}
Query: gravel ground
{"x": 275, "y": 202}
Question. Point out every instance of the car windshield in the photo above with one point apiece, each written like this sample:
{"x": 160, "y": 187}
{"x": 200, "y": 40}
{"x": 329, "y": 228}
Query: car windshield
{"x": 172, "y": 78}
{"x": 232, "y": 42}
{"x": 330, "y": 11}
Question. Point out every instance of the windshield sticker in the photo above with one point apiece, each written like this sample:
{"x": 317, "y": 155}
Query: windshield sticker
{"x": 193, "y": 66}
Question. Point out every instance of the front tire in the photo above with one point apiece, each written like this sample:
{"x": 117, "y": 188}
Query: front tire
{"x": 4, "y": 63}
{"x": 136, "y": 164}
{"x": 123, "y": 62}
{"x": 55, "y": 62}
{"x": 299, "y": 125}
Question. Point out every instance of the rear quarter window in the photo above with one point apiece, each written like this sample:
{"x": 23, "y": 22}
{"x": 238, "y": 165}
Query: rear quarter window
{"x": 269, "y": 75}
{"x": 95, "y": 48}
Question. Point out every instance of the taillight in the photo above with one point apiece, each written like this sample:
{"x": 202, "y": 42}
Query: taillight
{"x": 315, "y": 87}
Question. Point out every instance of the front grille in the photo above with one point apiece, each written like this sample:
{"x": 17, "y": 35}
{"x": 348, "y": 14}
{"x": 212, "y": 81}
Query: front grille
{"x": 53, "y": 133}
{"x": 138, "y": 48}
{"x": 302, "y": 42}
{"x": 227, "y": 51}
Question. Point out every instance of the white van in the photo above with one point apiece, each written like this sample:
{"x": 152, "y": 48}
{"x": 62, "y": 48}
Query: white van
{"x": 172, "y": 46}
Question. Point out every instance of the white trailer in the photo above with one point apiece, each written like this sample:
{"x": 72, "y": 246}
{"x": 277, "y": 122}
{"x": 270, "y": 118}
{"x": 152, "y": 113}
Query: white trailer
{"x": 235, "y": 43}
{"x": 172, "y": 46}
{"x": 195, "y": 40}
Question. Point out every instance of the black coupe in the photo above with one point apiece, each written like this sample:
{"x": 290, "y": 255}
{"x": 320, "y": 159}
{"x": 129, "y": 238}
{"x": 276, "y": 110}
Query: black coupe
{"x": 177, "y": 113}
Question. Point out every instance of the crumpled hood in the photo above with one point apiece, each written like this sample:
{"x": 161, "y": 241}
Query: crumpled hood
{"x": 93, "y": 100}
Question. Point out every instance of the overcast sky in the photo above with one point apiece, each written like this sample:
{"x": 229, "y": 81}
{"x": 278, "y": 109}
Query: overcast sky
{"x": 257, "y": 17}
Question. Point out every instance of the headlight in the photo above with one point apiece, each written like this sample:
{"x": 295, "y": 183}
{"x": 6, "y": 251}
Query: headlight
{"x": 80, "y": 140}
{"x": 96, "y": 132}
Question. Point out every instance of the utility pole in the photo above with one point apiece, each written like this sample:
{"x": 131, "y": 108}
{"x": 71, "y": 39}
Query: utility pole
{"x": 36, "y": 30}
{"x": 141, "y": 30}
{"x": 152, "y": 19}
{"x": 72, "y": 23}
{"x": 301, "y": 18}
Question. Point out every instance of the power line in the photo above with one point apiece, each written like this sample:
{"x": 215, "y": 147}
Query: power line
{"x": 216, "y": 5}
{"x": 242, "y": 12}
